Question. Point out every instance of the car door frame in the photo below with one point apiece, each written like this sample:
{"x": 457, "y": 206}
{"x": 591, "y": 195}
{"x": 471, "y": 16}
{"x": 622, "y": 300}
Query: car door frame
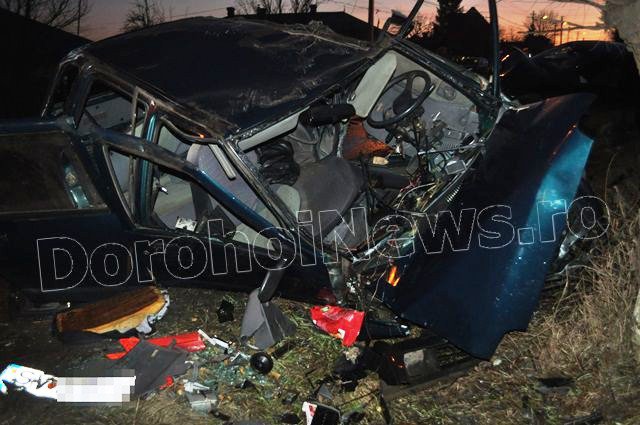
{"x": 309, "y": 268}
{"x": 151, "y": 152}
{"x": 63, "y": 225}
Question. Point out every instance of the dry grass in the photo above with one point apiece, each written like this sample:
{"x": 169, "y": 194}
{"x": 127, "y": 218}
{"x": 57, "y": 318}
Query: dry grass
{"x": 582, "y": 331}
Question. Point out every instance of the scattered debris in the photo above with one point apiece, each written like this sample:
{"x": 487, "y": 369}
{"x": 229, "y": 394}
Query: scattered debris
{"x": 239, "y": 359}
{"x": 202, "y": 401}
{"x": 342, "y": 323}
{"x": 137, "y": 309}
{"x": 152, "y": 365}
{"x": 324, "y": 392}
{"x": 189, "y": 341}
{"x": 225, "y": 311}
{"x": 290, "y": 398}
{"x": 215, "y": 341}
{"x": 246, "y": 384}
{"x": 261, "y": 362}
{"x": 350, "y": 368}
{"x": 264, "y": 322}
{"x": 232, "y": 371}
{"x": 319, "y": 414}
{"x": 411, "y": 361}
{"x": 193, "y": 387}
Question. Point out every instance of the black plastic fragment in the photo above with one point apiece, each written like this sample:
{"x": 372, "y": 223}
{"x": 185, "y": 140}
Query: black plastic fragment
{"x": 152, "y": 365}
{"x": 225, "y": 312}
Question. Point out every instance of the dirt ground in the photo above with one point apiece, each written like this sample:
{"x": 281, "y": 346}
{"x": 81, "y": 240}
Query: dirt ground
{"x": 580, "y": 332}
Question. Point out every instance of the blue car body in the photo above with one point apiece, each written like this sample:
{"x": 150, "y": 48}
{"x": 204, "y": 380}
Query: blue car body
{"x": 535, "y": 154}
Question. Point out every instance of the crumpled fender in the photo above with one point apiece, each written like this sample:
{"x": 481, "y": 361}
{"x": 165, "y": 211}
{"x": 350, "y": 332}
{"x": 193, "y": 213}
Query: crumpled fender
{"x": 474, "y": 296}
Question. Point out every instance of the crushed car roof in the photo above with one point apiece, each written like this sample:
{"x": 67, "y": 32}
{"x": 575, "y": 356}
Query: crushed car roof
{"x": 238, "y": 71}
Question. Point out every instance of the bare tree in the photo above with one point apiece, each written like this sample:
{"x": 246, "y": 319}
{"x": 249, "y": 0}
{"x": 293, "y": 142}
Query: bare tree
{"x": 542, "y": 22}
{"x": 422, "y": 26}
{"x": 143, "y": 14}
{"x": 301, "y": 6}
{"x": 56, "y": 13}
{"x": 275, "y": 6}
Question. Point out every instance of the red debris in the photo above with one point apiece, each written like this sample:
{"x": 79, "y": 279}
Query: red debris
{"x": 167, "y": 383}
{"x": 191, "y": 342}
{"x": 339, "y": 322}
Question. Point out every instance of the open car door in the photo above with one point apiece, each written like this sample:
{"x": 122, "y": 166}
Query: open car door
{"x": 67, "y": 231}
{"x": 55, "y": 214}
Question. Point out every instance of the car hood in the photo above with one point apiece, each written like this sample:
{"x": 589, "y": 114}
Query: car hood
{"x": 241, "y": 73}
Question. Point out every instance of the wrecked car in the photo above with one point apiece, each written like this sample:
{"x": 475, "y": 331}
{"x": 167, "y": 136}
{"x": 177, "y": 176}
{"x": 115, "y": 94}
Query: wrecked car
{"x": 242, "y": 154}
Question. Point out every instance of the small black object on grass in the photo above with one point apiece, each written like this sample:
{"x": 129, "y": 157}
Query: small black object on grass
{"x": 554, "y": 385}
{"x": 261, "y": 362}
{"x": 225, "y": 311}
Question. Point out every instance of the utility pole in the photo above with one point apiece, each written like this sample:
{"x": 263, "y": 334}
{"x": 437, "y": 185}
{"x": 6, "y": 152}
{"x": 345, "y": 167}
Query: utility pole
{"x": 371, "y": 20}
{"x": 533, "y": 22}
{"x": 561, "y": 27}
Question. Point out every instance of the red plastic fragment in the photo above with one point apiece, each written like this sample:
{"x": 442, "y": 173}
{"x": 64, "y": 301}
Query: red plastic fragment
{"x": 167, "y": 383}
{"x": 191, "y": 342}
{"x": 338, "y": 322}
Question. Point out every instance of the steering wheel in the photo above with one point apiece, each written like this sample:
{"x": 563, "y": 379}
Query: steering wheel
{"x": 405, "y": 104}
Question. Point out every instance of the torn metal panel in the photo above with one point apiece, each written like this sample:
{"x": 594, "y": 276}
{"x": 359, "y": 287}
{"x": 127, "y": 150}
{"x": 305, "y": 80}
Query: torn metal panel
{"x": 474, "y": 310}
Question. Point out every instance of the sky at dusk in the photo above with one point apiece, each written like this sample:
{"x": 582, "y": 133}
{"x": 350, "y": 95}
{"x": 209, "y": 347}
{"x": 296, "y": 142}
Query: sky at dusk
{"x": 107, "y": 16}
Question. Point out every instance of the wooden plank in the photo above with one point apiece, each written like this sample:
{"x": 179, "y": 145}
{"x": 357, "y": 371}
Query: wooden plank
{"x": 122, "y": 312}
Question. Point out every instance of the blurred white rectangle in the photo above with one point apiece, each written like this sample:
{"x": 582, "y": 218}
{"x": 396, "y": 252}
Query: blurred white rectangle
{"x": 113, "y": 389}
{"x": 71, "y": 389}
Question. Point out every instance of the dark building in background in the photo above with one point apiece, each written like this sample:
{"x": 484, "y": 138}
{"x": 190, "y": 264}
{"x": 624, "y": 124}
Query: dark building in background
{"x": 339, "y": 22}
{"x": 30, "y": 55}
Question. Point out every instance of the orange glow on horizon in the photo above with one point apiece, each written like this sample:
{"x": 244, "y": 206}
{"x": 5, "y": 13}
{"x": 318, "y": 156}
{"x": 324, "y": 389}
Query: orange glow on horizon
{"x": 512, "y": 15}
{"x": 106, "y": 18}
